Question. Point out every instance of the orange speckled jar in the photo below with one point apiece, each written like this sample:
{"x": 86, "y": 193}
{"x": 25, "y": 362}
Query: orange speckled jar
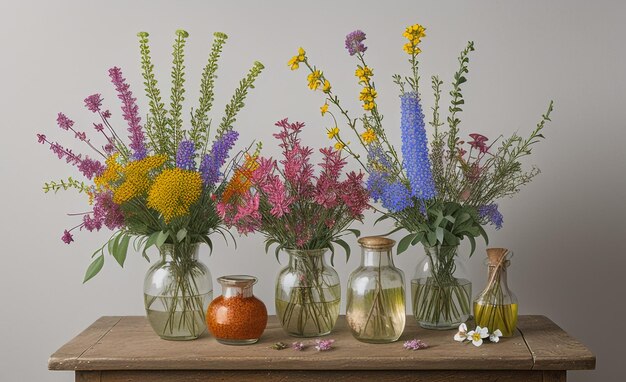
{"x": 237, "y": 317}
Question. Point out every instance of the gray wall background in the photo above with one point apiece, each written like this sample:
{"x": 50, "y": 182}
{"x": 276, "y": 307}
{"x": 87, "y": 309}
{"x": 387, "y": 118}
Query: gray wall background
{"x": 566, "y": 228}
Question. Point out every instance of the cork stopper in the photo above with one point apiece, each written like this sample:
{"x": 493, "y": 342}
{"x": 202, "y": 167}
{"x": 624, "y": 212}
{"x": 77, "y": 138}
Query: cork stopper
{"x": 376, "y": 242}
{"x": 497, "y": 256}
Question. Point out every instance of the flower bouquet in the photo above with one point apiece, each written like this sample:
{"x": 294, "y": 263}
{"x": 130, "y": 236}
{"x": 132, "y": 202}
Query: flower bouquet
{"x": 303, "y": 214}
{"x": 440, "y": 193}
{"x": 160, "y": 189}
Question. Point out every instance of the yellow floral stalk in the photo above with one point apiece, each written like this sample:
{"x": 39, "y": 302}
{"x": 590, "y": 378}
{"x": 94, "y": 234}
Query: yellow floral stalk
{"x": 414, "y": 34}
{"x": 315, "y": 80}
{"x": 136, "y": 178}
{"x": 368, "y": 136}
{"x": 174, "y": 191}
{"x": 368, "y": 94}
{"x": 364, "y": 73}
{"x": 294, "y": 62}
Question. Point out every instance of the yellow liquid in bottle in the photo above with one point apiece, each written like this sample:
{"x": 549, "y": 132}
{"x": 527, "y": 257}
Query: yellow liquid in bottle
{"x": 503, "y": 317}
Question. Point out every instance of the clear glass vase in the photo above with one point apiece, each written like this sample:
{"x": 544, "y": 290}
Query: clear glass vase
{"x": 376, "y": 307}
{"x": 440, "y": 291}
{"x": 237, "y": 317}
{"x": 308, "y": 294}
{"x": 496, "y": 306}
{"x": 177, "y": 292}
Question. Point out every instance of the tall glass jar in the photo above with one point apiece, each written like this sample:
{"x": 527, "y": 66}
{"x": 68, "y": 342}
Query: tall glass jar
{"x": 237, "y": 317}
{"x": 308, "y": 294}
{"x": 496, "y": 306}
{"x": 440, "y": 290}
{"x": 177, "y": 291}
{"x": 376, "y": 309}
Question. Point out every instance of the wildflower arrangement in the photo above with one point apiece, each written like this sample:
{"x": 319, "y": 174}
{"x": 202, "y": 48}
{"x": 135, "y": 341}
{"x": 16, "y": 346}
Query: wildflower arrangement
{"x": 440, "y": 191}
{"x": 162, "y": 186}
{"x": 304, "y": 214}
{"x": 289, "y": 204}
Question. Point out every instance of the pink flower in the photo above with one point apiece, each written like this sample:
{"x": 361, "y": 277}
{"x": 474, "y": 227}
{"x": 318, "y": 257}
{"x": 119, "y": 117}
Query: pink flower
{"x": 297, "y": 346}
{"x": 415, "y": 344}
{"x": 106, "y": 114}
{"x": 64, "y": 122}
{"x": 98, "y": 126}
{"x": 93, "y": 102}
{"x": 277, "y": 197}
{"x": 67, "y": 237}
{"x": 324, "y": 345}
{"x": 479, "y": 142}
{"x": 41, "y": 138}
{"x": 354, "y": 195}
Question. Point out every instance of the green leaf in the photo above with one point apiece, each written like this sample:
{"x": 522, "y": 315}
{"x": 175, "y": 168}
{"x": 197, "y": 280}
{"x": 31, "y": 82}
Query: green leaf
{"x": 385, "y": 216}
{"x": 483, "y": 234}
{"x": 473, "y": 245}
{"x": 180, "y": 236}
{"x": 161, "y": 238}
{"x": 332, "y": 254}
{"x": 149, "y": 243}
{"x": 431, "y": 237}
{"x": 418, "y": 238}
{"x": 122, "y": 250}
{"x": 277, "y": 252}
{"x": 356, "y": 232}
{"x": 94, "y": 268}
{"x": 393, "y": 231}
{"x": 405, "y": 242}
{"x": 345, "y": 246}
{"x": 439, "y": 234}
{"x": 268, "y": 244}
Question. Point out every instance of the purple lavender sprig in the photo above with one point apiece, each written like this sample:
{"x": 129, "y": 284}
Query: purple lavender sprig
{"x": 185, "y": 157}
{"x": 415, "y": 148}
{"x": 491, "y": 214}
{"x": 354, "y": 42}
{"x": 212, "y": 162}
{"x": 130, "y": 111}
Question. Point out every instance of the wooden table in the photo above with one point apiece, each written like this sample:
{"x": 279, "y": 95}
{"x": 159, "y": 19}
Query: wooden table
{"x": 126, "y": 349}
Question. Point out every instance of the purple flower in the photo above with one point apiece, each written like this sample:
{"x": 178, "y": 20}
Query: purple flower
{"x": 41, "y": 138}
{"x": 415, "y": 344}
{"x": 297, "y": 346}
{"x": 354, "y": 42}
{"x": 212, "y": 162}
{"x": 93, "y": 102}
{"x": 491, "y": 214}
{"x": 64, "y": 122}
{"x": 130, "y": 111}
{"x": 67, "y": 237}
{"x": 106, "y": 114}
{"x": 106, "y": 211}
{"x": 90, "y": 223}
{"x": 396, "y": 197}
{"x": 415, "y": 148}
{"x": 80, "y": 135}
{"x": 109, "y": 148}
{"x": 185, "y": 155}
{"x": 90, "y": 168}
{"x": 324, "y": 345}
{"x": 99, "y": 127}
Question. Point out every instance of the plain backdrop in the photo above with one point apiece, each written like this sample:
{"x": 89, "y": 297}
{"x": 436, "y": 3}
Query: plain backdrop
{"x": 566, "y": 228}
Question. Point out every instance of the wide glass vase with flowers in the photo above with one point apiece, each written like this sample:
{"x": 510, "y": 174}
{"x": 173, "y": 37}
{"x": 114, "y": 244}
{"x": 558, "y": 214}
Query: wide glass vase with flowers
{"x": 159, "y": 190}
{"x": 442, "y": 191}
{"x": 304, "y": 214}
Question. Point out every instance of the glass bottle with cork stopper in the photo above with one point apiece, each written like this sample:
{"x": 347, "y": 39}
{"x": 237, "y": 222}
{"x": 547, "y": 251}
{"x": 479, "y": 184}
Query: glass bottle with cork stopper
{"x": 376, "y": 307}
{"x": 237, "y": 317}
{"x": 496, "y": 306}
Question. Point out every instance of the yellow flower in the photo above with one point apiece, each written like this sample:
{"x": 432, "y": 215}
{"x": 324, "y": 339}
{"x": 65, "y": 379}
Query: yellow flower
{"x": 324, "y": 109}
{"x": 137, "y": 178}
{"x": 174, "y": 191}
{"x": 315, "y": 79}
{"x": 339, "y": 146}
{"x": 367, "y": 96}
{"x": 364, "y": 74}
{"x": 326, "y": 88}
{"x": 332, "y": 133}
{"x": 110, "y": 174}
{"x": 414, "y": 34}
{"x": 368, "y": 136}
{"x": 295, "y": 61}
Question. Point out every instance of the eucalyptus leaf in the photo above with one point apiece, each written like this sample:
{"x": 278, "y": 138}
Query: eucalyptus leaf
{"x": 94, "y": 268}
{"x": 122, "y": 250}
{"x": 404, "y": 243}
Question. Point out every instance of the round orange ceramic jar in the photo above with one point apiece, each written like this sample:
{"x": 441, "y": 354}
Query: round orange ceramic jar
{"x": 237, "y": 317}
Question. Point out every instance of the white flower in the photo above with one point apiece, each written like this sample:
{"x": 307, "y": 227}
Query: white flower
{"x": 477, "y": 335}
{"x": 495, "y": 336}
{"x": 462, "y": 334}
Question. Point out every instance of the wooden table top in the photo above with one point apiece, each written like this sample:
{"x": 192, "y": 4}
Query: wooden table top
{"x": 128, "y": 343}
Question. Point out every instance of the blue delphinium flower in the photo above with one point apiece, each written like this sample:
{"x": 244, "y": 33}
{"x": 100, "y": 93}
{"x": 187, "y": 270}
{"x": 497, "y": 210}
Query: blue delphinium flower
{"x": 491, "y": 214}
{"x": 185, "y": 155}
{"x": 212, "y": 162}
{"x": 375, "y": 184}
{"x": 415, "y": 148}
{"x": 396, "y": 197}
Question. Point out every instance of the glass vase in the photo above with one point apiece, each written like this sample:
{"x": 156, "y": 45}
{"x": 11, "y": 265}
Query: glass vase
{"x": 376, "y": 308}
{"x": 440, "y": 291}
{"x": 496, "y": 306}
{"x": 308, "y": 294}
{"x": 237, "y": 317}
{"x": 177, "y": 292}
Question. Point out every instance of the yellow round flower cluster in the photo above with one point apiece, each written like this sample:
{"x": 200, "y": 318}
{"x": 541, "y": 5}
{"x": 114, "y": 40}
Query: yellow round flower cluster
{"x": 414, "y": 34}
{"x": 368, "y": 95}
{"x": 136, "y": 178}
{"x": 174, "y": 191}
{"x": 368, "y": 136}
{"x": 294, "y": 62}
{"x": 110, "y": 174}
{"x": 364, "y": 74}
